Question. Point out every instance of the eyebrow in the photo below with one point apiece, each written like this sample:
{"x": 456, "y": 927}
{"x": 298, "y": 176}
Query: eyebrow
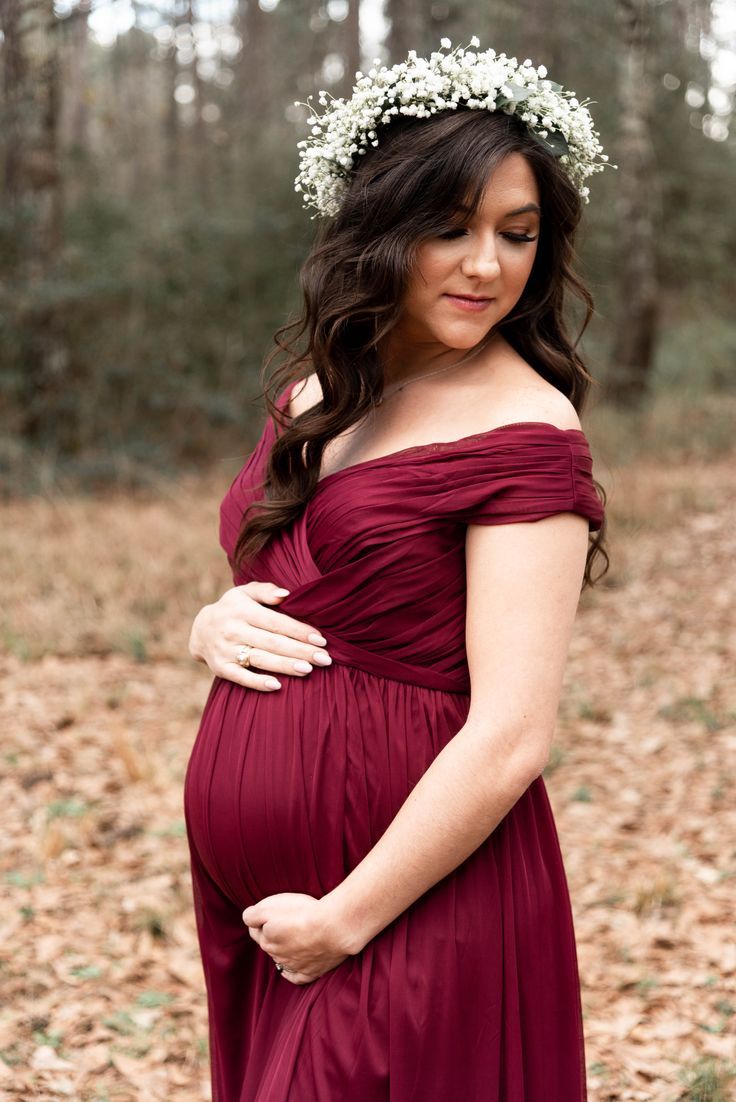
{"x": 529, "y": 208}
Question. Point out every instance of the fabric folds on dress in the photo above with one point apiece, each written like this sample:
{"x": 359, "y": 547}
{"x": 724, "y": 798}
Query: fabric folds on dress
{"x": 472, "y": 993}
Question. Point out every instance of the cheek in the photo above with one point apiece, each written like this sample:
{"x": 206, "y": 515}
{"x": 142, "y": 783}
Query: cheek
{"x": 432, "y": 265}
{"x": 518, "y": 268}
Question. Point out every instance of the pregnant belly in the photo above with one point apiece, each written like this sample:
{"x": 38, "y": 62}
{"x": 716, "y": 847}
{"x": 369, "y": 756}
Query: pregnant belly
{"x": 287, "y": 791}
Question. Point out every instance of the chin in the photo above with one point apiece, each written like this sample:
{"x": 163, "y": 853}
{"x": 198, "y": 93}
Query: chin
{"x": 464, "y": 341}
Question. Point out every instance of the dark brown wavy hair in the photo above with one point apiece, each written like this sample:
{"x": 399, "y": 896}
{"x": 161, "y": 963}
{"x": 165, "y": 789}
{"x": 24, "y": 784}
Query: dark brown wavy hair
{"x": 408, "y": 188}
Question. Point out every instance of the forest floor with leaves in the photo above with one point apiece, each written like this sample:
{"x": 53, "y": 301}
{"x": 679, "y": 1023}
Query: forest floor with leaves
{"x": 102, "y": 991}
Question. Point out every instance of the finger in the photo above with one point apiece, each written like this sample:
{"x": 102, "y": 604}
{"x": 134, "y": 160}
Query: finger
{"x": 262, "y": 682}
{"x": 275, "y": 644}
{"x": 282, "y": 623}
{"x": 274, "y": 663}
{"x": 266, "y": 591}
{"x": 257, "y": 616}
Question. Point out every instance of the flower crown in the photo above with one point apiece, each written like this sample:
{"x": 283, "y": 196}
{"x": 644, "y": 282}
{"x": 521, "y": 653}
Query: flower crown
{"x": 421, "y": 87}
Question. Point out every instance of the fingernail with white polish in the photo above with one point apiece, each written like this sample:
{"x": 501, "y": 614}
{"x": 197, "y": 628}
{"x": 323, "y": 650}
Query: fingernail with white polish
{"x": 318, "y": 639}
{"x": 272, "y": 683}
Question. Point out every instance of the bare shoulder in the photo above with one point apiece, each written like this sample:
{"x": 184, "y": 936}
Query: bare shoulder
{"x": 547, "y": 403}
{"x": 519, "y": 393}
{"x": 305, "y": 394}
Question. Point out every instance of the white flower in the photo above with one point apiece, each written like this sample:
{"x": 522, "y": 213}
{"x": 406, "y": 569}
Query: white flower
{"x": 420, "y": 87}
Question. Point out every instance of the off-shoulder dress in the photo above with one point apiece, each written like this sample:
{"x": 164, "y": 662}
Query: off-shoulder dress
{"x": 472, "y": 993}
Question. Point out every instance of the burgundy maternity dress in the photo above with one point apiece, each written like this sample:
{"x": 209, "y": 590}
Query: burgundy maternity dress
{"x": 472, "y": 993}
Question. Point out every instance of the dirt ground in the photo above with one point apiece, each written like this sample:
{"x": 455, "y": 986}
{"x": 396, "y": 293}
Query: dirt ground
{"x": 102, "y": 993}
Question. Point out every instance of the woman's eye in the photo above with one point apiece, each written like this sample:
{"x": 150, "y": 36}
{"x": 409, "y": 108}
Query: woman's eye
{"x": 519, "y": 238}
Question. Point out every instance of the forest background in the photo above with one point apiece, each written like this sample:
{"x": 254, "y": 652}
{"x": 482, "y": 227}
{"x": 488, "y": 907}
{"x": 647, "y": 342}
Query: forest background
{"x": 150, "y": 242}
{"x": 150, "y": 235}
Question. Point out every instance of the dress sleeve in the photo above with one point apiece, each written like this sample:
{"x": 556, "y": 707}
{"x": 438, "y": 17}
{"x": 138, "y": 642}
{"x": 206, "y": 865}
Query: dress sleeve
{"x": 531, "y": 473}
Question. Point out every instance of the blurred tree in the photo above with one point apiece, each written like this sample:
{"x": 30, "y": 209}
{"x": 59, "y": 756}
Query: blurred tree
{"x": 406, "y": 28}
{"x": 352, "y": 43}
{"x": 638, "y": 209}
{"x": 252, "y": 66}
{"x": 150, "y": 235}
{"x": 199, "y": 128}
{"x": 33, "y": 177}
{"x": 539, "y": 26}
{"x": 172, "y": 136}
{"x": 76, "y": 77}
{"x": 14, "y": 93}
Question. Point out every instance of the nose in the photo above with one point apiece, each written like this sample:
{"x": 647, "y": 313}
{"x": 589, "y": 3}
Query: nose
{"x": 480, "y": 260}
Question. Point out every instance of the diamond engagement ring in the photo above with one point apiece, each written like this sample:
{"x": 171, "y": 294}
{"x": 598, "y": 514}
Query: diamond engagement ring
{"x": 243, "y": 655}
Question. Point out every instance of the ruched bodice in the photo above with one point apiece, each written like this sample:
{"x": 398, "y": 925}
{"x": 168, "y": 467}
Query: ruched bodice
{"x": 472, "y": 992}
{"x": 378, "y": 557}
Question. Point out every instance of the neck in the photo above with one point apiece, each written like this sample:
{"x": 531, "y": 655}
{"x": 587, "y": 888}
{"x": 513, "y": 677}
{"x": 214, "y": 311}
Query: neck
{"x": 403, "y": 365}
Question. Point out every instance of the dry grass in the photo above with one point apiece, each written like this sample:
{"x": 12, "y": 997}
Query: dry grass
{"x": 102, "y": 993}
{"x": 117, "y": 575}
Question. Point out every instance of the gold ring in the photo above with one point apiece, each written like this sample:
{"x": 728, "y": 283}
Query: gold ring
{"x": 243, "y": 655}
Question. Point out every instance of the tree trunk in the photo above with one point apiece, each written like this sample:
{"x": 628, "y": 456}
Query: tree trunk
{"x": 50, "y": 94}
{"x": 14, "y": 80}
{"x": 638, "y": 210}
{"x": 253, "y": 60}
{"x": 75, "y": 76}
{"x": 200, "y": 130}
{"x": 405, "y": 32}
{"x": 537, "y": 40}
{"x": 352, "y": 45}
{"x": 37, "y": 185}
{"x": 172, "y": 136}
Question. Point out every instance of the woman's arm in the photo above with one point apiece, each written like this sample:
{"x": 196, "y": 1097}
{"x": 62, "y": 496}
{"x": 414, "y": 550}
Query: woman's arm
{"x": 524, "y": 583}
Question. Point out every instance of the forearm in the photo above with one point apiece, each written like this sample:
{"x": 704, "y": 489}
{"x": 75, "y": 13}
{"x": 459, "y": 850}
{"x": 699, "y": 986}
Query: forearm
{"x": 457, "y": 803}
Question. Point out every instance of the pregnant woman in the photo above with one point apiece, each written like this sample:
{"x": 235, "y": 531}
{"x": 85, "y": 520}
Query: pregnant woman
{"x": 382, "y": 908}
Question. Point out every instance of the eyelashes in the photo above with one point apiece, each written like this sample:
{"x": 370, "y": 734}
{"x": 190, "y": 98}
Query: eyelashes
{"x": 517, "y": 238}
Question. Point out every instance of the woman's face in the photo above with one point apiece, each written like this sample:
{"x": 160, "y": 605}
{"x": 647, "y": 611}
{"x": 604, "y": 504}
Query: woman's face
{"x": 488, "y": 257}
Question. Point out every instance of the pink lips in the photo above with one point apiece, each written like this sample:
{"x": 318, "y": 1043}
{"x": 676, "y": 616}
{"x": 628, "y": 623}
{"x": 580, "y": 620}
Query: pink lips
{"x": 474, "y": 305}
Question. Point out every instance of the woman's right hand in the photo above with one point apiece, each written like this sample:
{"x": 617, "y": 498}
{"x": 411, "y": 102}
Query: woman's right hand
{"x": 280, "y": 643}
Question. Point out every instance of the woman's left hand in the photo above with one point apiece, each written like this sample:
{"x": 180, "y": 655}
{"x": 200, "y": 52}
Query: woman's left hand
{"x": 298, "y": 931}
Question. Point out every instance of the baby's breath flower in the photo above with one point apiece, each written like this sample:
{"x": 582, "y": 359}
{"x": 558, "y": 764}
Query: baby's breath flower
{"x": 420, "y": 87}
